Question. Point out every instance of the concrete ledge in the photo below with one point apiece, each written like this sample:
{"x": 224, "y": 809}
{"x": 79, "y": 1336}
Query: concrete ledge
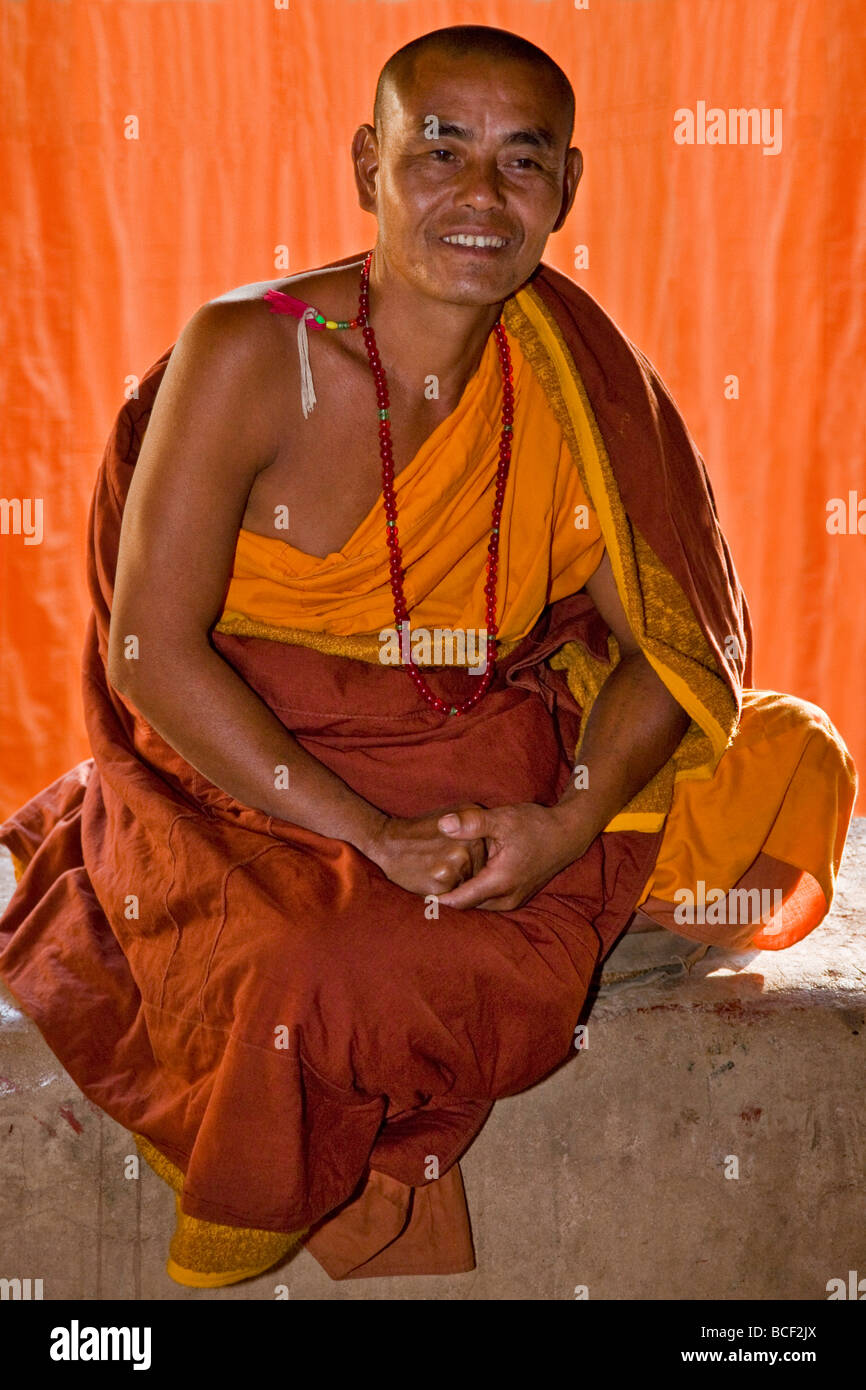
{"x": 610, "y": 1174}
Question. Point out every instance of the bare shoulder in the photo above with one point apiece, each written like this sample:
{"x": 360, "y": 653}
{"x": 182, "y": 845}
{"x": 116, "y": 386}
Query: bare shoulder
{"x": 230, "y": 355}
{"x": 236, "y": 334}
{"x": 235, "y": 331}
{"x": 333, "y": 288}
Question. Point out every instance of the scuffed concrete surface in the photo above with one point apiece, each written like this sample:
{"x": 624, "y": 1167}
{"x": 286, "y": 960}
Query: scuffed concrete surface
{"x": 610, "y": 1174}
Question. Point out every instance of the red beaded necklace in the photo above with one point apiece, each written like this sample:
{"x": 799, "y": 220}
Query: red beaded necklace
{"x": 386, "y": 452}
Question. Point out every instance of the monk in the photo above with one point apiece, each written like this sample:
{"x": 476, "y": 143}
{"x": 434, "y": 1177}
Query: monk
{"x": 418, "y": 671}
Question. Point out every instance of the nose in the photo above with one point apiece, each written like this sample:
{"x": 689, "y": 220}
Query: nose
{"x": 481, "y": 185}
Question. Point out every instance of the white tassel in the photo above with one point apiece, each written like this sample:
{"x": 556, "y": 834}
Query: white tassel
{"x": 308, "y": 393}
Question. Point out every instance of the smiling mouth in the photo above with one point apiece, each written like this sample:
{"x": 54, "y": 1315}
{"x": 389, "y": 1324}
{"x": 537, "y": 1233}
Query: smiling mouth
{"x": 481, "y": 243}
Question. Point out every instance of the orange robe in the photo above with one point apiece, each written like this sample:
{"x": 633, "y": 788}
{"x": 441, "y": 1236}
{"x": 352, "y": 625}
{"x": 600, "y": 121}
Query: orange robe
{"x": 776, "y": 792}
{"x": 291, "y": 1033}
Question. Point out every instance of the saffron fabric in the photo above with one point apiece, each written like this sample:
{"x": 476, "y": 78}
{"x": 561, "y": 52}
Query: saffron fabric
{"x": 550, "y": 540}
{"x": 785, "y": 791}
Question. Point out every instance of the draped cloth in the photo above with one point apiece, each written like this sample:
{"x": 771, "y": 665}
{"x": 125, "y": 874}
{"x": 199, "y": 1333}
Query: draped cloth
{"x": 550, "y": 539}
{"x": 293, "y": 1032}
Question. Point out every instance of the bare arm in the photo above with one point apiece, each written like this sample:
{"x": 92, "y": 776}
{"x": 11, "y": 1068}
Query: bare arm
{"x": 633, "y": 728}
{"x": 207, "y": 438}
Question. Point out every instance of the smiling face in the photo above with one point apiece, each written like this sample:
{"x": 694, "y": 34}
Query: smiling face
{"x": 468, "y": 175}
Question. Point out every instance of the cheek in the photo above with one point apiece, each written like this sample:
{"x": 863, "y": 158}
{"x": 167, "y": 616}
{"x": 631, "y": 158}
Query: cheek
{"x": 403, "y": 201}
{"x": 538, "y": 207}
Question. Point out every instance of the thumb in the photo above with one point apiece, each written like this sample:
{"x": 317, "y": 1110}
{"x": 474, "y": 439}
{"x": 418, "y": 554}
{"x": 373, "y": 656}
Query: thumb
{"x": 464, "y": 825}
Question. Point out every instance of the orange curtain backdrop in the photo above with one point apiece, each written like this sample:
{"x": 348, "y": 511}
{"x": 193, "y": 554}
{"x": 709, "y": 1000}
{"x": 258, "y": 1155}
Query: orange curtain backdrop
{"x": 156, "y": 154}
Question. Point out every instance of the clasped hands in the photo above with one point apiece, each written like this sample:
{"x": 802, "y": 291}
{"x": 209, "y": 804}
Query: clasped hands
{"x": 476, "y": 857}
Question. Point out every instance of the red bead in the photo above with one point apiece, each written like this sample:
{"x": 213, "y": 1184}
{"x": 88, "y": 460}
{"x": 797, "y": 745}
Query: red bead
{"x": 390, "y": 504}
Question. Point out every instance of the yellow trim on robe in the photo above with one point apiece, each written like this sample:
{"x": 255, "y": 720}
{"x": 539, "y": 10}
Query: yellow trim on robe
{"x": 365, "y": 647}
{"x": 659, "y": 614}
{"x": 205, "y": 1255}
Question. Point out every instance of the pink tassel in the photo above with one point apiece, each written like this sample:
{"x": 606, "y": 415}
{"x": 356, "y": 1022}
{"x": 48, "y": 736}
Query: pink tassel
{"x": 280, "y": 303}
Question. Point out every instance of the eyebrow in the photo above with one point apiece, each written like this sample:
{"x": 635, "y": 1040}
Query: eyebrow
{"x": 538, "y": 136}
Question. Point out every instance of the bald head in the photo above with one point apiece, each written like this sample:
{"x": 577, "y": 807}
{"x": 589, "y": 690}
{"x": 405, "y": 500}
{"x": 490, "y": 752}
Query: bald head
{"x": 469, "y": 167}
{"x": 464, "y": 42}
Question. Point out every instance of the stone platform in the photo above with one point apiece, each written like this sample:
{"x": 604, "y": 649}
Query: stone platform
{"x": 709, "y": 1142}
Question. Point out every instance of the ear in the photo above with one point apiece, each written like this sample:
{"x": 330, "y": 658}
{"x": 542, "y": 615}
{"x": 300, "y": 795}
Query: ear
{"x": 573, "y": 171}
{"x": 365, "y": 157}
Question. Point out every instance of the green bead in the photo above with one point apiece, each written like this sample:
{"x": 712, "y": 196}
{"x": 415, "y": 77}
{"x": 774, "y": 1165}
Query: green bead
{"x": 453, "y": 709}
{"x": 393, "y": 523}
{"x": 320, "y": 318}
{"x": 383, "y": 414}
{"x": 507, "y": 429}
{"x": 343, "y": 323}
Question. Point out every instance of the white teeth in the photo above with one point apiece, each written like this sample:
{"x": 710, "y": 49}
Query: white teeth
{"x": 461, "y": 239}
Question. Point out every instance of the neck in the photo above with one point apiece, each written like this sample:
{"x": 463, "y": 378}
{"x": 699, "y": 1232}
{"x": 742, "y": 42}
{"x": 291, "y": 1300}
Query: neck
{"x": 419, "y": 336}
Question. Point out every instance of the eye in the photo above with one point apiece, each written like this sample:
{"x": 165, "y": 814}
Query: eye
{"x": 525, "y": 162}
{"x": 447, "y": 153}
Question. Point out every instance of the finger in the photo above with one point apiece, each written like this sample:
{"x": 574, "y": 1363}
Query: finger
{"x": 454, "y": 863}
{"x": 454, "y": 859}
{"x": 464, "y": 825}
{"x": 478, "y": 853}
{"x": 452, "y": 871}
{"x": 447, "y": 876}
{"x": 507, "y": 904}
{"x": 486, "y": 886}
